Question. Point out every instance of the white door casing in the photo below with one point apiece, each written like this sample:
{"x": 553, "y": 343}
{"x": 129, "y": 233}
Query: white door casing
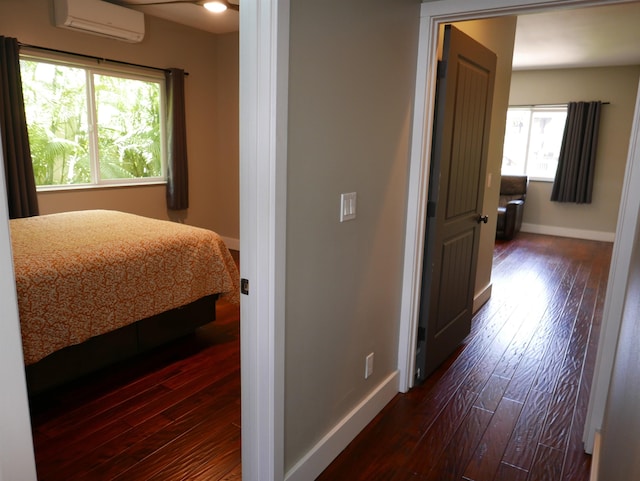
{"x": 264, "y": 49}
{"x": 16, "y": 445}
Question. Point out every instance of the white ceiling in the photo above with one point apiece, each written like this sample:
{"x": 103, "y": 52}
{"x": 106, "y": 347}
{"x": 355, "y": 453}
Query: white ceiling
{"x": 587, "y": 37}
{"x": 189, "y": 13}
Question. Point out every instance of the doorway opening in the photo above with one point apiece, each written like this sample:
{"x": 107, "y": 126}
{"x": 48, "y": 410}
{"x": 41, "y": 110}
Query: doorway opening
{"x": 434, "y": 15}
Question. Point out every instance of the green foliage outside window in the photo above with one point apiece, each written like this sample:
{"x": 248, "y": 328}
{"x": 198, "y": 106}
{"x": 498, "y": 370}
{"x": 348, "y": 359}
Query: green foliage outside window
{"x": 66, "y": 106}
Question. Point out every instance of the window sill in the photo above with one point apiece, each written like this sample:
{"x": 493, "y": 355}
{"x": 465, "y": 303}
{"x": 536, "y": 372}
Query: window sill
{"x": 540, "y": 179}
{"x": 60, "y": 188}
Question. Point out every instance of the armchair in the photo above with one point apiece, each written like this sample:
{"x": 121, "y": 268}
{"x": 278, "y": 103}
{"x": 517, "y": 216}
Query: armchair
{"x": 513, "y": 192}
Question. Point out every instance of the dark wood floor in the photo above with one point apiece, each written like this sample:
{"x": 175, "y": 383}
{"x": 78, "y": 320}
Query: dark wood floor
{"x": 509, "y": 405}
{"x": 172, "y": 415}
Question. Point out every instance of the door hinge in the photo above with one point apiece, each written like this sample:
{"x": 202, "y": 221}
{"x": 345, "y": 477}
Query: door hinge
{"x": 421, "y": 334}
{"x": 431, "y": 208}
{"x": 442, "y": 68}
{"x": 244, "y": 286}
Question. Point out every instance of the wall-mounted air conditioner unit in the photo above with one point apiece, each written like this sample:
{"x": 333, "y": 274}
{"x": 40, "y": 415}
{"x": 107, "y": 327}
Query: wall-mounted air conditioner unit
{"x": 100, "y": 18}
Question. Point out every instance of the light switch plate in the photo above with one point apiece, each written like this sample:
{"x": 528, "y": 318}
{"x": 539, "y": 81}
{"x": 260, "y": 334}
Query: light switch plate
{"x": 347, "y": 206}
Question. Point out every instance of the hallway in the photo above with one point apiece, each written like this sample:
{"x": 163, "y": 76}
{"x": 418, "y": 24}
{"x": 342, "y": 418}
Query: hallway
{"x": 511, "y": 402}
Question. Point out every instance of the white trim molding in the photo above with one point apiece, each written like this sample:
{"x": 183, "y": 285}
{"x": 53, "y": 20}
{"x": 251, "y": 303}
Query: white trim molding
{"x": 595, "y": 235}
{"x": 333, "y": 443}
{"x": 16, "y": 444}
{"x": 483, "y": 296}
{"x": 424, "y": 105}
{"x": 264, "y": 59}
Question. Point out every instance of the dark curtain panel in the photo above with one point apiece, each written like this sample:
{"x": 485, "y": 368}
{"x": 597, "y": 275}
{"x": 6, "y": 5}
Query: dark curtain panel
{"x": 577, "y": 162}
{"x": 18, "y": 169}
{"x": 177, "y": 171}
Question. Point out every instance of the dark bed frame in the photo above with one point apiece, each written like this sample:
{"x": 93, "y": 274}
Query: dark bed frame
{"x": 101, "y": 351}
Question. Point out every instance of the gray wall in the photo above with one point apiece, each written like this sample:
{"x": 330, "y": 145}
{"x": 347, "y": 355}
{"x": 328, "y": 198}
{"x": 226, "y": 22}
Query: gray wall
{"x": 352, "y": 74}
{"x": 350, "y": 105}
{"x": 617, "y": 85}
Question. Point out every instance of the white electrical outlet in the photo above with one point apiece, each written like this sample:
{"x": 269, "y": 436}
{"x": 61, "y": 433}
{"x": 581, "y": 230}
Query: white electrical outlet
{"x": 368, "y": 366}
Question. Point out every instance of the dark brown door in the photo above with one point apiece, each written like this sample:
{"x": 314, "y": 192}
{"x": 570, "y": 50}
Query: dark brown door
{"x": 456, "y": 188}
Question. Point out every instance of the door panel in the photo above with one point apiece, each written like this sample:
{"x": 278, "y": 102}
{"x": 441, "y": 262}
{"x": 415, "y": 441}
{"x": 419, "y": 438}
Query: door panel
{"x": 456, "y": 190}
{"x": 457, "y": 256}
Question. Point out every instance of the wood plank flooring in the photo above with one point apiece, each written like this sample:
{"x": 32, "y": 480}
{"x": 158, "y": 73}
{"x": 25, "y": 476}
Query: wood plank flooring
{"x": 170, "y": 415}
{"x": 509, "y": 405}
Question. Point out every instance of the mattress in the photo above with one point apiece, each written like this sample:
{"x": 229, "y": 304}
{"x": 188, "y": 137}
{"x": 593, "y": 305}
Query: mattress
{"x": 81, "y": 274}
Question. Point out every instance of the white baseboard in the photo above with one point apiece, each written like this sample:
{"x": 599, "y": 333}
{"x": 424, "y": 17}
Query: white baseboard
{"x": 595, "y": 458}
{"x": 233, "y": 244}
{"x": 482, "y": 297}
{"x": 566, "y": 232}
{"x": 334, "y": 442}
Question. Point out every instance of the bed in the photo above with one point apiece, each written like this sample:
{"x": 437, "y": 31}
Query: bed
{"x": 98, "y": 286}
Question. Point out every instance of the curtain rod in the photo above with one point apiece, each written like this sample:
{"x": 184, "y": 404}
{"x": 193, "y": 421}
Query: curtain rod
{"x": 563, "y": 104}
{"x": 93, "y": 57}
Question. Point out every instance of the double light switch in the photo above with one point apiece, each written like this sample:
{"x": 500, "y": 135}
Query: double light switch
{"x": 347, "y": 206}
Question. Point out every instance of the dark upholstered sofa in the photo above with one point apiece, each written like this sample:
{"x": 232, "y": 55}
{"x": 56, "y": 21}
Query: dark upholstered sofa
{"x": 513, "y": 192}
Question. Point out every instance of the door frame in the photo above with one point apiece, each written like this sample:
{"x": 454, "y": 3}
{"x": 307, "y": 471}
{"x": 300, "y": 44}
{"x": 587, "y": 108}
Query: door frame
{"x": 433, "y": 14}
{"x": 17, "y": 460}
{"x": 264, "y": 60}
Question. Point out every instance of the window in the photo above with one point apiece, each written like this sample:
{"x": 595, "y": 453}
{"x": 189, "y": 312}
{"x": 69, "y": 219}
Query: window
{"x": 532, "y": 141}
{"x": 91, "y": 126}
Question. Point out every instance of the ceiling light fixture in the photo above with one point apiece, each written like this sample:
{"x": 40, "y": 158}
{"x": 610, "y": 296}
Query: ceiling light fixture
{"x": 215, "y": 6}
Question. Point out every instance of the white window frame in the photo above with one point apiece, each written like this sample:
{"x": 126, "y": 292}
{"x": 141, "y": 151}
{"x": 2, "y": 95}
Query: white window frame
{"x": 96, "y": 67}
{"x": 532, "y": 109}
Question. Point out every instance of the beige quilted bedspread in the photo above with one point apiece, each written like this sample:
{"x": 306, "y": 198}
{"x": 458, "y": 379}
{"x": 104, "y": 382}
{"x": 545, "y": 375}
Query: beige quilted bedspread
{"x": 84, "y": 273}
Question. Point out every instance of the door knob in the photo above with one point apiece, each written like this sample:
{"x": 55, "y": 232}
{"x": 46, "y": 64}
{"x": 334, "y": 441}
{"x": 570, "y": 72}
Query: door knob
{"x": 483, "y": 218}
